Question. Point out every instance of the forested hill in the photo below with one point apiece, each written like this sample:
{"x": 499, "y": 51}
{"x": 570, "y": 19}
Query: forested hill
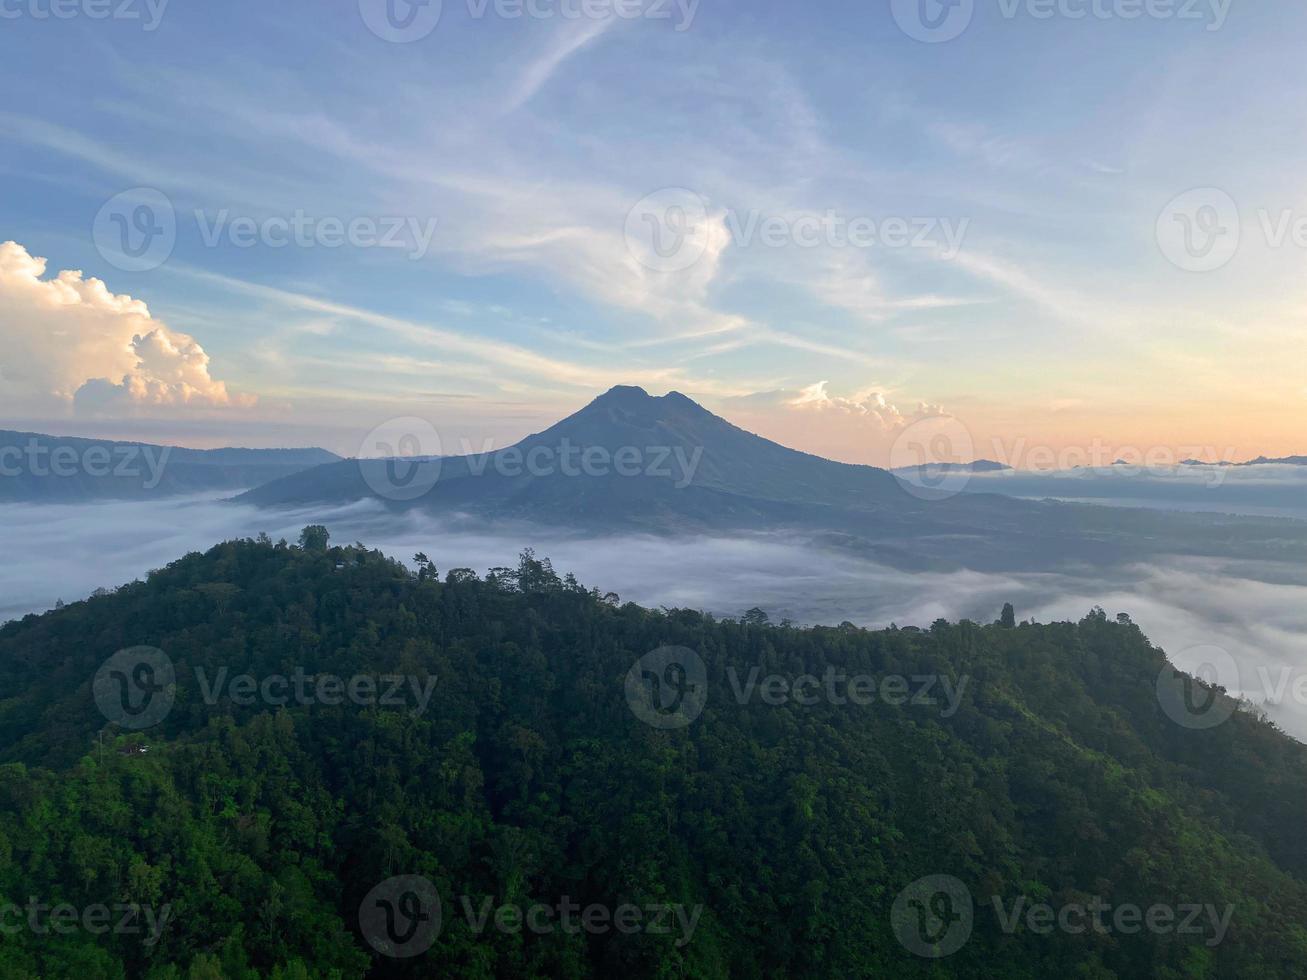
{"x": 516, "y": 777}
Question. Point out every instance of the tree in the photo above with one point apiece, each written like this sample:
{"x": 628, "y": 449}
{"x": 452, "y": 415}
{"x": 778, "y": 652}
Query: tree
{"x": 1008, "y": 618}
{"x": 314, "y": 538}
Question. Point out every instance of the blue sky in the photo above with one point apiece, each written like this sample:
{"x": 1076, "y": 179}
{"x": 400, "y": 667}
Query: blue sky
{"x": 1046, "y": 145}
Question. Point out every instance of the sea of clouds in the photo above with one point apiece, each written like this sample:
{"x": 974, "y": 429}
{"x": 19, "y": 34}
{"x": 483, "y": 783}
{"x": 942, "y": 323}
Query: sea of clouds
{"x": 1257, "y": 611}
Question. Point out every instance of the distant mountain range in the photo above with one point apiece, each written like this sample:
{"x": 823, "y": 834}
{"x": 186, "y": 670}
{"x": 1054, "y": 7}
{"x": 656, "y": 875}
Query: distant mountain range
{"x": 1259, "y": 461}
{"x": 975, "y": 466}
{"x": 1283, "y": 461}
{"x": 629, "y": 461}
{"x": 66, "y": 469}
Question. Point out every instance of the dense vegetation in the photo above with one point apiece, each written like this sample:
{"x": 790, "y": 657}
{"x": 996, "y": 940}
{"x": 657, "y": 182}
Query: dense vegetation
{"x": 527, "y": 777}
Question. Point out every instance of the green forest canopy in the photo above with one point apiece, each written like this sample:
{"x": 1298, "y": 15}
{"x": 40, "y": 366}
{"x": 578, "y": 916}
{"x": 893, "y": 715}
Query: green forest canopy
{"x": 791, "y": 825}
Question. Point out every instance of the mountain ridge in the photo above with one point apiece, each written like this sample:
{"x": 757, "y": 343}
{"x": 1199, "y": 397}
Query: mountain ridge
{"x": 47, "y": 468}
{"x": 722, "y": 479}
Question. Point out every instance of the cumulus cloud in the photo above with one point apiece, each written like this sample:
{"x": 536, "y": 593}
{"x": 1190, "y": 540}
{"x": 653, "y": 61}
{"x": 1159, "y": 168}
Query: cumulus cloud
{"x": 856, "y": 428}
{"x": 869, "y": 404}
{"x": 69, "y": 341}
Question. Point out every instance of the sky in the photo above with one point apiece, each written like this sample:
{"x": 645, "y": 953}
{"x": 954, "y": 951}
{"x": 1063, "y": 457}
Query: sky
{"x": 1055, "y": 223}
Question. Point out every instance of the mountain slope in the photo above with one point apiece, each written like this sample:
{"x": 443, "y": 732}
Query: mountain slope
{"x": 676, "y": 449}
{"x": 689, "y": 471}
{"x": 1052, "y": 776}
{"x": 66, "y": 469}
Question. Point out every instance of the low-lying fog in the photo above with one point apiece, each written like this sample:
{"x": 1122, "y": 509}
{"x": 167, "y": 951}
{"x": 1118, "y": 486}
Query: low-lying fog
{"x": 1256, "y": 611}
{"x": 1266, "y": 490}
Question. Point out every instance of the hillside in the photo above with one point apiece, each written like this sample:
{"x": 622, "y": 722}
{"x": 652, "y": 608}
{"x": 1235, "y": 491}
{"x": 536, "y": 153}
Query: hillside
{"x": 520, "y": 766}
{"x": 67, "y": 469}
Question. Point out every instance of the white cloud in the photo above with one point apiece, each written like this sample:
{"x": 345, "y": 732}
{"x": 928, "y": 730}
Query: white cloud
{"x": 537, "y": 74}
{"x": 70, "y": 341}
{"x": 869, "y": 404}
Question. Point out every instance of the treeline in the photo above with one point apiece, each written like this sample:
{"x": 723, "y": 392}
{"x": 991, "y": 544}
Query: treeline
{"x": 786, "y": 822}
